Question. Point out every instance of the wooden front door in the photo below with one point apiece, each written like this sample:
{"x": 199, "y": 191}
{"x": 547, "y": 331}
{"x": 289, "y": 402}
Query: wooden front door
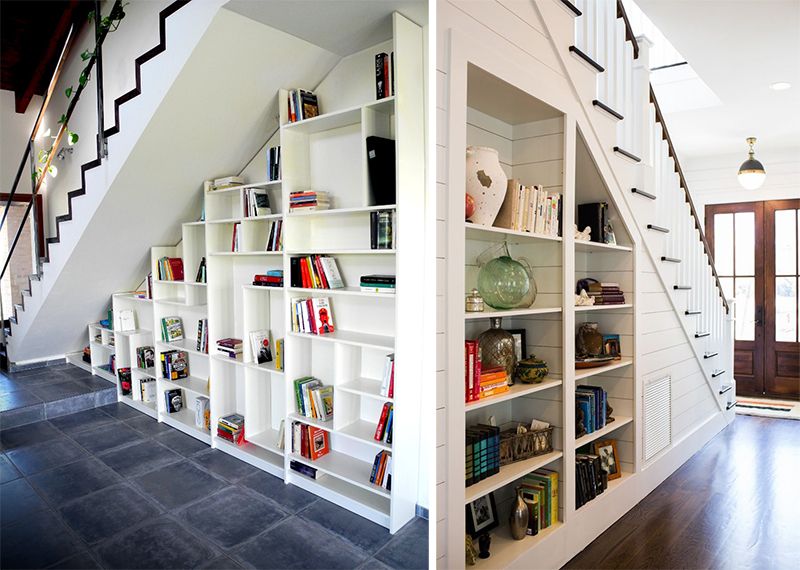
{"x": 756, "y": 253}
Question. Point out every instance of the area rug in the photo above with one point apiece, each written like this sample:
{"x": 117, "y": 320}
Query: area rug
{"x": 786, "y": 409}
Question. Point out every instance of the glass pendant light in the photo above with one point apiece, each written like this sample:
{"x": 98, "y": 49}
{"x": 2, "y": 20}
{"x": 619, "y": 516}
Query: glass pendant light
{"x": 751, "y": 172}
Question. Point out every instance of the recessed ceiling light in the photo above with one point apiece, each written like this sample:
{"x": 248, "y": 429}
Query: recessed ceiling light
{"x": 780, "y": 86}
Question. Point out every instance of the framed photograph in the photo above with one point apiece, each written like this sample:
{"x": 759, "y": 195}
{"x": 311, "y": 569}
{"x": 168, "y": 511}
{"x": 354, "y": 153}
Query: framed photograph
{"x": 482, "y": 515}
{"x": 520, "y": 344}
{"x": 611, "y": 346}
{"x": 609, "y": 460}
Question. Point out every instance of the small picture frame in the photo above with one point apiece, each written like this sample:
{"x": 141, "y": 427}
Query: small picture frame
{"x": 611, "y": 346}
{"x": 609, "y": 460}
{"x": 482, "y": 515}
{"x": 520, "y": 343}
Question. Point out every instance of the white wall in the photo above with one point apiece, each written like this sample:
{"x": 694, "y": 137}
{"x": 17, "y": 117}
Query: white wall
{"x": 15, "y": 128}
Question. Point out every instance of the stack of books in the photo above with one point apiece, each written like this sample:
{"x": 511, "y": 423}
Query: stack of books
{"x": 313, "y": 399}
{"x": 384, "y": 75}
{"x": 256, "y": 203}
{"x": 378, "y": 283}
{"x": 201, "y": 276}
{"x": 226, "y": 182}
{"x": 124, "y": 375}
{"x": 274, "y": 163}
{"x": 231, "y": 428}
{"x": 540, "y": 489}
{"x": 590, "y": 479}
{"x": 310, "y": 442}
{"x": 381, "y": 229}
{"x": 302, "y": 105}
{"x": 171, "y": 329}
{"x": 493, "y": 382}
{"x": 275, "y": 238}
{"x": 202, "y": 336}
{"x": 272, "y": 278}
{"x": 606, "y": 294}
{"x": 482, "y": 453}
{"x": 236, "y": 238}
{"x": 530, "y": 209}
{"x": 309, "y": 201}
{"x": 315, "y": 272}
{"x": 147, "y": 389}
{"x": 383, "y": 431}
{"x": 382, "y": 470}
{"x": 173, "y": 400}
{"x": 230, "y": 347}
{"x": 387, "y": 382}
{"x": 170, "y": 269}
{"x": 592, "y": 401}
{"x": 145, "y": 357}
{"x": 312, "y": 316}
{"x": 174, "y": 364}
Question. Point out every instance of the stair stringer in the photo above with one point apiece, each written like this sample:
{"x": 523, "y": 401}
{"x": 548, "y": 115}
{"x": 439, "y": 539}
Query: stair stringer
{"x": 618, "y": 173}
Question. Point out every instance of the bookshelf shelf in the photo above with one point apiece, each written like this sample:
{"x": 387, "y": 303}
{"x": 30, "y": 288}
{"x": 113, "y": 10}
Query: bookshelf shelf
{"x": 327, "y": 426}
{"x": 343, "y": 252}
{"x": 169, "y": 281}
{"x": 603, "y": 307}
{"x": 148, "y": 408}
{"x": 267, "y": 439}
{"x": 239, "y": 360}
{"x": 509, "y": 474}
{"x": 512, "y": 313}
{"x": 195, "y": 284}
{"x": 353, "y": 338}
{"x": 246, "y": 219}
{"x": 588, "y": 372}
{"x": 478, "y": 232}
{"x": 198, "y": 223}
{"x": 184, "y": 421}
{"x": 370, "y": 505}
{"x": 176, "y": 302}
{"x": 106, "y": 347}
{"x": 244, "y": 253}
{"x": 105, "y": 374}
{"x": 191, "y": 383}
{"x": 516, "y": 391}
{"x": 255, "y": 455}
{"x": 262, "y": 288}
{"x": 594, "y": 246}
{"x": 339, "y": 211}
{"x": 345, "y": 467}
{"x": 326, "y": 122}
{"x": 620, "y": 421}
{"x": 351, "y": 291}
{"x": 186, "y": 344}
{"x": 364, "y": 432}
{"x": 366, "y": 387}
{"x": 268, "y": 367}
{"x": 151, "y": 371}
{"x": 505, "y": 549}
{"x": 597, "y": 502}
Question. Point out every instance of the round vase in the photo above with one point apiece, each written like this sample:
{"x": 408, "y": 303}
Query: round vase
{"x": 503, "y": 282}
{"x": 497, "y": 348}
{"x": 589, "y": 341}
{"x": 518, "y": 520}
{"x": 486, "y": 183}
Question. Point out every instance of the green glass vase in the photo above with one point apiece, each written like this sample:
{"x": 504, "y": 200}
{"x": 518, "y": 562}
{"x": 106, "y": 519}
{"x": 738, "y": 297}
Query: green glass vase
{"x": 503, "y": 282}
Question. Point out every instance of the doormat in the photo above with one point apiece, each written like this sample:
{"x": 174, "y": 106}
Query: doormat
{"x": 786, "y": 409}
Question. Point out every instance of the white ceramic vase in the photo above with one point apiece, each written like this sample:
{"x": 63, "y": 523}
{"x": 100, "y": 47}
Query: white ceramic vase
{"x": 486, "y": 183}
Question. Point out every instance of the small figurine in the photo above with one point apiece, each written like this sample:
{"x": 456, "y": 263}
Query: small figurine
{"x": 484, "y": 542}
{"x": 583, "y": 300}
{"x": 585, "y": 235}
{"x": 609, "y": 411}
{"x": 580, "y": 429}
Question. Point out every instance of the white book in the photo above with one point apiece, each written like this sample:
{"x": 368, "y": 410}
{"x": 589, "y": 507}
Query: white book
{"x": 127, "y": 320}
{"x": 280, "y": 442}
{"x": 332, "y": 274}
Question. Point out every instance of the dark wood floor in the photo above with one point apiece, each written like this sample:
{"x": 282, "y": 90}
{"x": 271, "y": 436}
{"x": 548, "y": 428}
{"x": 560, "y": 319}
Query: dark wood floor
{"x": 734, "y": 505}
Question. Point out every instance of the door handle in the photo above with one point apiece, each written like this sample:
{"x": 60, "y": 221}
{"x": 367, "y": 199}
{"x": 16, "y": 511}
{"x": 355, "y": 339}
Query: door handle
{"x": 759, "y": 316}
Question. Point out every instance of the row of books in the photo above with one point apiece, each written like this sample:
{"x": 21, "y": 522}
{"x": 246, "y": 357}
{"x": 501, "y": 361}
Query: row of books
{"x": 310, "y": 441}
{"x": 256, "y": 202}
{"x": 302, "y": 104}
{"x": 274, "y": 163}
{"x": 378, "y": 283}
{"x": 202, "y": 273}
{"x": 539, "y": 490}
{"x": 230, "y": 347}
{"x": 272, "y": 278}
{"x": 591, "y": 402}
{"x": 482, "y": 453}
{"x": 383, "y": 431}
{"x": 381, "y": 229}
{"x": 170, "y": 269}
{"x": 530, "y": 209}
{"x": 315, "y": 272}
{"x": 275, "y": 237}
{"x": 382, "y": 470}
{"x": 384, "y": 75}
{"x": 202, "y": 336}
{"x": 312, "y": 316}
{"x": 480, "y": 383}
{"x": 231, "y": 428}
{"x": 145, "y": 357}
{"x": 387, "y": 380}
{"x": 174, "y": 364}
{"x": 606, "y": 293}
{"x": 313, "y": 399}
{"x": 309, "y": 201}
{"x": 590, "y": 479}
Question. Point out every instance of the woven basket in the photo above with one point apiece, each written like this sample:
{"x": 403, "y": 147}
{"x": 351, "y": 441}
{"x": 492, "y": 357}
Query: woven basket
{"x": 516, "y": 447}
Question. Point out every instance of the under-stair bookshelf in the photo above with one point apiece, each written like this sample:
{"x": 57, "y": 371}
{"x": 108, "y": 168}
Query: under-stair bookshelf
{"x": 538, "y": 144}
{"x": 325, "y": 153}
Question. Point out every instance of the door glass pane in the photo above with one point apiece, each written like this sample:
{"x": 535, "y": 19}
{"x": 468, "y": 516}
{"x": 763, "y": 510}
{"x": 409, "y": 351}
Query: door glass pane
{"x": 785, "y": 309}
{"x": 723, "y": 243}
{"x": 745, "y": 308}
{"x": 727, "y": 286}
{"x": 745, "y": 243}
{"x": 785, "y": 242}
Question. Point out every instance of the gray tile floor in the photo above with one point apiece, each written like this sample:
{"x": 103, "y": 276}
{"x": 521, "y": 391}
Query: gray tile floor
{"x": 42, "y": 393}
{"x": 112, "y": 488}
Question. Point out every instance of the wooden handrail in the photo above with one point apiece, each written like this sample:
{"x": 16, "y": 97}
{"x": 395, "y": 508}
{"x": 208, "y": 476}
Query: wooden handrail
{"x": 629, "y": 35}
{"x": 687, "y": 195}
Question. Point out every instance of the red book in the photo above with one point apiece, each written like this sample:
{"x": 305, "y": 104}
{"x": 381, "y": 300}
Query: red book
{"x": 381, "y": 468}
{"x": 312, "y": 318}
{"x": 304, "y": 274}
{"x": 176, "y": 265}
{"x": 470, "y": 361}
{"x": 476, "y": 381}
{"x": 382, "y": 422}
{"x": 320, "y": 272}
{"x": 387, "y": 90}
{"x": 319, "y": 444}
{"x": 391, "y": 382}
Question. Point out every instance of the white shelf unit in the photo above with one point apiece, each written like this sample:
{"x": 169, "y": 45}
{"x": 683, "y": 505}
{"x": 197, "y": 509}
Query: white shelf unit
{"x": 537, "y": 144}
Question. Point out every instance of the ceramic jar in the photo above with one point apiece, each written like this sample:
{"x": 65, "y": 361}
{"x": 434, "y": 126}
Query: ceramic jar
{"x": 486, "y": 183}
{"x": 497, "y": 348}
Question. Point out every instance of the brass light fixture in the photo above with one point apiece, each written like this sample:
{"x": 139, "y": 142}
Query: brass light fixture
{"x": 751, "y": 172}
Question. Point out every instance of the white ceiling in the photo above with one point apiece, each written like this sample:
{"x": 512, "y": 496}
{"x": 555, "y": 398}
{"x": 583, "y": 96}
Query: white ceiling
{"x": 738, "y": 48}
{"x": 333, "y": 26}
